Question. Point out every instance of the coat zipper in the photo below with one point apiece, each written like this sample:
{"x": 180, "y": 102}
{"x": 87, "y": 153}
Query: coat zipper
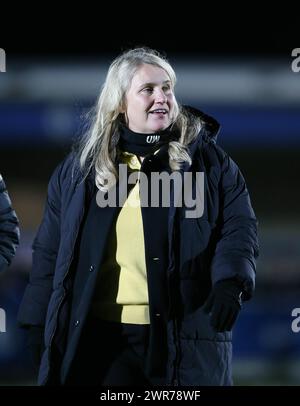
{"x": 177, "y": 357}
{"x": 175, "y": 377}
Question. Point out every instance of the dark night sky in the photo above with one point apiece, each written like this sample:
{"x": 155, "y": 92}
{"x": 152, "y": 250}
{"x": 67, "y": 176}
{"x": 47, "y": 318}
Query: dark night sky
{"x": 268, "y": 44}
{"x": 189, "y": 32}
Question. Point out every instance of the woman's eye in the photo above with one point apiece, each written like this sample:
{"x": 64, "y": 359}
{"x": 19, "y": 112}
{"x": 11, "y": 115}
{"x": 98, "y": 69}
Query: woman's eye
{"x": 166, "y": 88}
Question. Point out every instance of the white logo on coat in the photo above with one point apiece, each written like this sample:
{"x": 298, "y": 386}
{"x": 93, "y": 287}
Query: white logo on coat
{"x": 152, "y": 138}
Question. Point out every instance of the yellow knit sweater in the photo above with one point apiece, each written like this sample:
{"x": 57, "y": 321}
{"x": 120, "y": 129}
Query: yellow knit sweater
{"x": 122, "y": 290}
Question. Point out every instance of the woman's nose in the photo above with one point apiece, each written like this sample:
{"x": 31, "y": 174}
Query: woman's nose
{"x": 160, "y": 97}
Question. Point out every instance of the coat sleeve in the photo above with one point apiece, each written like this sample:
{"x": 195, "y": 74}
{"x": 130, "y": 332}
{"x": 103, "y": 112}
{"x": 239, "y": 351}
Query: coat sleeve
{"x": 237, "y": 245}
{"x": 33, "y": 308}
{"x": 9, "y": 228}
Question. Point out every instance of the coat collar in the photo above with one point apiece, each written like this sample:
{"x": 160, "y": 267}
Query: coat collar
{"x": 209, "y": 133}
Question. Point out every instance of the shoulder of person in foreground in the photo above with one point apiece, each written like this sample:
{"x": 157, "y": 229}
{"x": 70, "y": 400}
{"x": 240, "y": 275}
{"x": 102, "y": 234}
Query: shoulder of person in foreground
{"x": 9, "y": 228}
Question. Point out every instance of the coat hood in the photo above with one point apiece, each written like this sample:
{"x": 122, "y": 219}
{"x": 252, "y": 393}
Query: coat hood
{"x": 210, "y": 126}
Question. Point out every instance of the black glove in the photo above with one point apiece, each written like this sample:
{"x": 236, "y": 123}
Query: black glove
{"x": 224, "y": 303}
{"x": 35, "y": 343}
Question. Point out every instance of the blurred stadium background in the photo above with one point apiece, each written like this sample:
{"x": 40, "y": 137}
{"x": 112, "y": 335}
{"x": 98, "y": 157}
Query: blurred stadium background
{"x": 255, "y": 96}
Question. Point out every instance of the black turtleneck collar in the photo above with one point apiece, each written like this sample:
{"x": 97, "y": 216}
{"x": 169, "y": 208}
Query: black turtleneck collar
{"x": 143, "y": 144}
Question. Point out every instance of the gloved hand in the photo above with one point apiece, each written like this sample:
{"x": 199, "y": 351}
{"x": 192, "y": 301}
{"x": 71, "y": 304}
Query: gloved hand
{"x": 224, "y": 303}
{"x": 35, "y": 344}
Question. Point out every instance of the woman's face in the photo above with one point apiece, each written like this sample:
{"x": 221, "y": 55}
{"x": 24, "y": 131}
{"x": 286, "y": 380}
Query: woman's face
{"x": 149, "y": 100}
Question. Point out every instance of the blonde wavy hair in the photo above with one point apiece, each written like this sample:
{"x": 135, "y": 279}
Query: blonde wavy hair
{"x": 98, "y": 146}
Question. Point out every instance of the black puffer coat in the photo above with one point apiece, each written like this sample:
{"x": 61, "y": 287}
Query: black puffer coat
{"x": 221, "y": 244}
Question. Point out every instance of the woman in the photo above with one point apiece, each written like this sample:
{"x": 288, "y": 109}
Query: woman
{"x": 133, "y": 293}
